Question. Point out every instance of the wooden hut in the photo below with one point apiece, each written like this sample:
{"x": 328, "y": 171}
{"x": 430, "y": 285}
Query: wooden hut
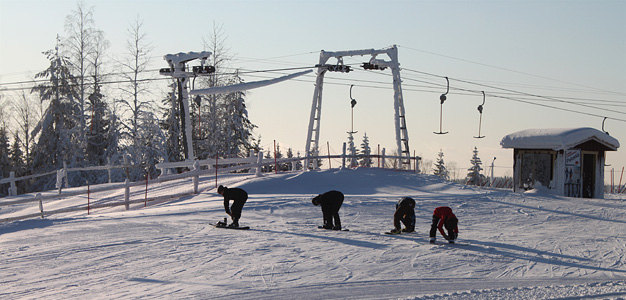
{"x": 568, "y": 161}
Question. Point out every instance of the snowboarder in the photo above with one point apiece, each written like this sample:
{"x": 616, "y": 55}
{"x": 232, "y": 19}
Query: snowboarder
{"x": 405, "y": 213}
{"x": 331, "y": 203}
{"x": 443, "y": 217}
{"x": 239, "y": 196}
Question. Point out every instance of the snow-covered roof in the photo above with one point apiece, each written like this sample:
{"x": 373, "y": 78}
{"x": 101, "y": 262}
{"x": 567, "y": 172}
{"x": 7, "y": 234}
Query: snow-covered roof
{"x": 557, "y": 138}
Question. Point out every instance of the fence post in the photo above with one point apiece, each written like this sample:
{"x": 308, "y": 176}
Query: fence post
{"x": 88, "y": 197}
{"x": 259, "y": 160}
{"x": 620, "y": 182}
{"x": 275, "y": 163}
{"x": 383, "y": 157}
{"x": 127, "y": 194}
{"x": 67, "y": 182}
{"x": 343, "y": 156}
{"x": 126, "y": 168}
{"x": 12, "y": 188}
{"x": 251, "y": 156}
{"x": 145, "y": 199}
{"x": 378, "y": 155}
{"x": 60, "y": 177}
{"x": 109, "y": 168}
{"x": 38, "y": 196}
{"x": 330, "y": 166}
{"x": 196, "y": 170}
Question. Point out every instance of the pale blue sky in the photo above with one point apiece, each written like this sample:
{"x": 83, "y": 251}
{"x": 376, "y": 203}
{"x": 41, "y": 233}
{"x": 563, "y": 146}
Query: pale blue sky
{"x": 571, "y": 49}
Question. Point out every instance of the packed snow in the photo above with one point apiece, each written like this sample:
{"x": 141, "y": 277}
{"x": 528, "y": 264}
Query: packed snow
{"x": 510, "y": 246}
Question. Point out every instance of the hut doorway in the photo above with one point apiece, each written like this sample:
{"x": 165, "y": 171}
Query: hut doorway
{"x": 589, "y": 174}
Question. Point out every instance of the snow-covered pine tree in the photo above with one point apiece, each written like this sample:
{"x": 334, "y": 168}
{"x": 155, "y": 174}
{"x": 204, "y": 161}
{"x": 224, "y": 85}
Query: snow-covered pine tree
{"x": 171, "y": 125}
{"x": 80, "y": 45}
{"x": 289, "y": 165}
{"x": 16, "y": 155}
{"x": 57, "y": 133}
{"x": 102, "y": 136}
{"x": 473, "y": 176}
{"x": 279, "y": 154}
{"x": 366, "y": 151}
{"x": 24, "y": 116}
{"x": 235, "y": 123}
{"x": 5, "y": 160}
{"x": 299, "y": 163}
{"x": 268, "y": 168}
{"x": 440, "y": 167}
{"x": 222, "y": 126}
{"x": 352, "y": 151}
{"x": 144, "y": 139}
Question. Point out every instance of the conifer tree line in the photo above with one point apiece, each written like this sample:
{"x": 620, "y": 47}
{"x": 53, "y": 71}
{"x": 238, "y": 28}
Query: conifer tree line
{"x": 89, "y": 107}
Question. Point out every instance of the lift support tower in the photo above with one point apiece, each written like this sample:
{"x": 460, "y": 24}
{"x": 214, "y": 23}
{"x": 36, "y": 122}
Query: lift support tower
{"x": 402, "y": 136}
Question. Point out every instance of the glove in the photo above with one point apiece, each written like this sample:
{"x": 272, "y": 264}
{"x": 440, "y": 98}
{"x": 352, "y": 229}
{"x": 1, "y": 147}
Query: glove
{"x": 445, "y": 237}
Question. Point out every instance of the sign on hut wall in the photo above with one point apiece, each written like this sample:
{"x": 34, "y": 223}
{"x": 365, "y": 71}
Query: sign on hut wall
{"x": 572, "y": 173}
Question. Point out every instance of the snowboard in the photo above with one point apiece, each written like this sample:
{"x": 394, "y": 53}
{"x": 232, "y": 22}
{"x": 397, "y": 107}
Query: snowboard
{"x": 343, "y": 229}
{"x": 394, "y": 233}
{"x": 225, "y": 226}
{"x": 444, "y": 243}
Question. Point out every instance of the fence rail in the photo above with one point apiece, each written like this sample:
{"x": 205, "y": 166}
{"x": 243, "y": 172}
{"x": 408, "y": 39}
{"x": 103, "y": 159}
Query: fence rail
{"x": 195, "y": 169}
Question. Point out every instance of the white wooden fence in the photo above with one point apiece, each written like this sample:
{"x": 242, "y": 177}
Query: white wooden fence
{"x": 197, "y": 168}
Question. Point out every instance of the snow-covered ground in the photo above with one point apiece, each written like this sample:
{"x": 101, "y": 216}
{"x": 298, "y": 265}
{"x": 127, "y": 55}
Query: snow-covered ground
{"x": 511, "y": 246}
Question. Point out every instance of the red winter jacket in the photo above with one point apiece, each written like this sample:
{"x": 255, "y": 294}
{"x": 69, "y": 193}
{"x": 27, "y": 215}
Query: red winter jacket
{"x": 443, "y": 213}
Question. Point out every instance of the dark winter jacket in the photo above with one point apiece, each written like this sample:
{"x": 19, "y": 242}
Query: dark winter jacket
{"x": 236, "y": 194}
{"x": 330, "y": 201}
{"x": 405, "y": 209}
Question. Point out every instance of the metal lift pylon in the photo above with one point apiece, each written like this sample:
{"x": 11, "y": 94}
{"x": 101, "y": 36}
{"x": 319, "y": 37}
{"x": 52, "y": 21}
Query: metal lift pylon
{"x": 402, "y": 135}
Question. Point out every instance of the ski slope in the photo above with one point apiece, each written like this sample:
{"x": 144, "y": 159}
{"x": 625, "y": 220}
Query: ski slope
{"x": 511, "y": 246}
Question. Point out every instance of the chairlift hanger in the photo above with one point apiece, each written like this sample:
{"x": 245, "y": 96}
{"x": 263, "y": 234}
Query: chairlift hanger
{"x": 352, "y": 103}
{"x": 443, "y": 99}
{"x": 480, "y": 121}
{"x": 607, "y": 133}
{"x": 603, "y": 126}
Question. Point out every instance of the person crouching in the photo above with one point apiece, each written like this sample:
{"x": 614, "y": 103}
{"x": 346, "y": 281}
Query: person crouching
{"x": 405, "y": 214}
{"x": 443, "y": 217}
{"x": 331, "y": 203}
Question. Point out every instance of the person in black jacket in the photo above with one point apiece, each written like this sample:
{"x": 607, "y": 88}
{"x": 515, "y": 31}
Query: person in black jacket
{"x": 239, "y": 196}
{"x": 331, "y": 203}
{"x": 405, "y": 213}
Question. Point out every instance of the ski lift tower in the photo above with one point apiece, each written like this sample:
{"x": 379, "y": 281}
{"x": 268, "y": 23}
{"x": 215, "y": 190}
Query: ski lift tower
{"x": 178, "y": 70}
{"x": 402, "y": 136}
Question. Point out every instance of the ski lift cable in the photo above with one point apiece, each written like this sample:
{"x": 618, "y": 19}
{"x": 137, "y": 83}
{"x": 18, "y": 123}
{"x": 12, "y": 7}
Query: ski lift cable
{"x": 528, "y": 94}
{"x": 514, "y": 71}
{"x": 495, "y": 95}
{"x": 558, "y": 108}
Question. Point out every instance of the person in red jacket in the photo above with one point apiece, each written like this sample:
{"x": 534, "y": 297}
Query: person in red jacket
{"x": 443, "y": 217}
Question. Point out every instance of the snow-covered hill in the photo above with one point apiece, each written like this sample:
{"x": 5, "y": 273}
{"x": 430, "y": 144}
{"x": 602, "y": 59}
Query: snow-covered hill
{"x": 511, "y": 246}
